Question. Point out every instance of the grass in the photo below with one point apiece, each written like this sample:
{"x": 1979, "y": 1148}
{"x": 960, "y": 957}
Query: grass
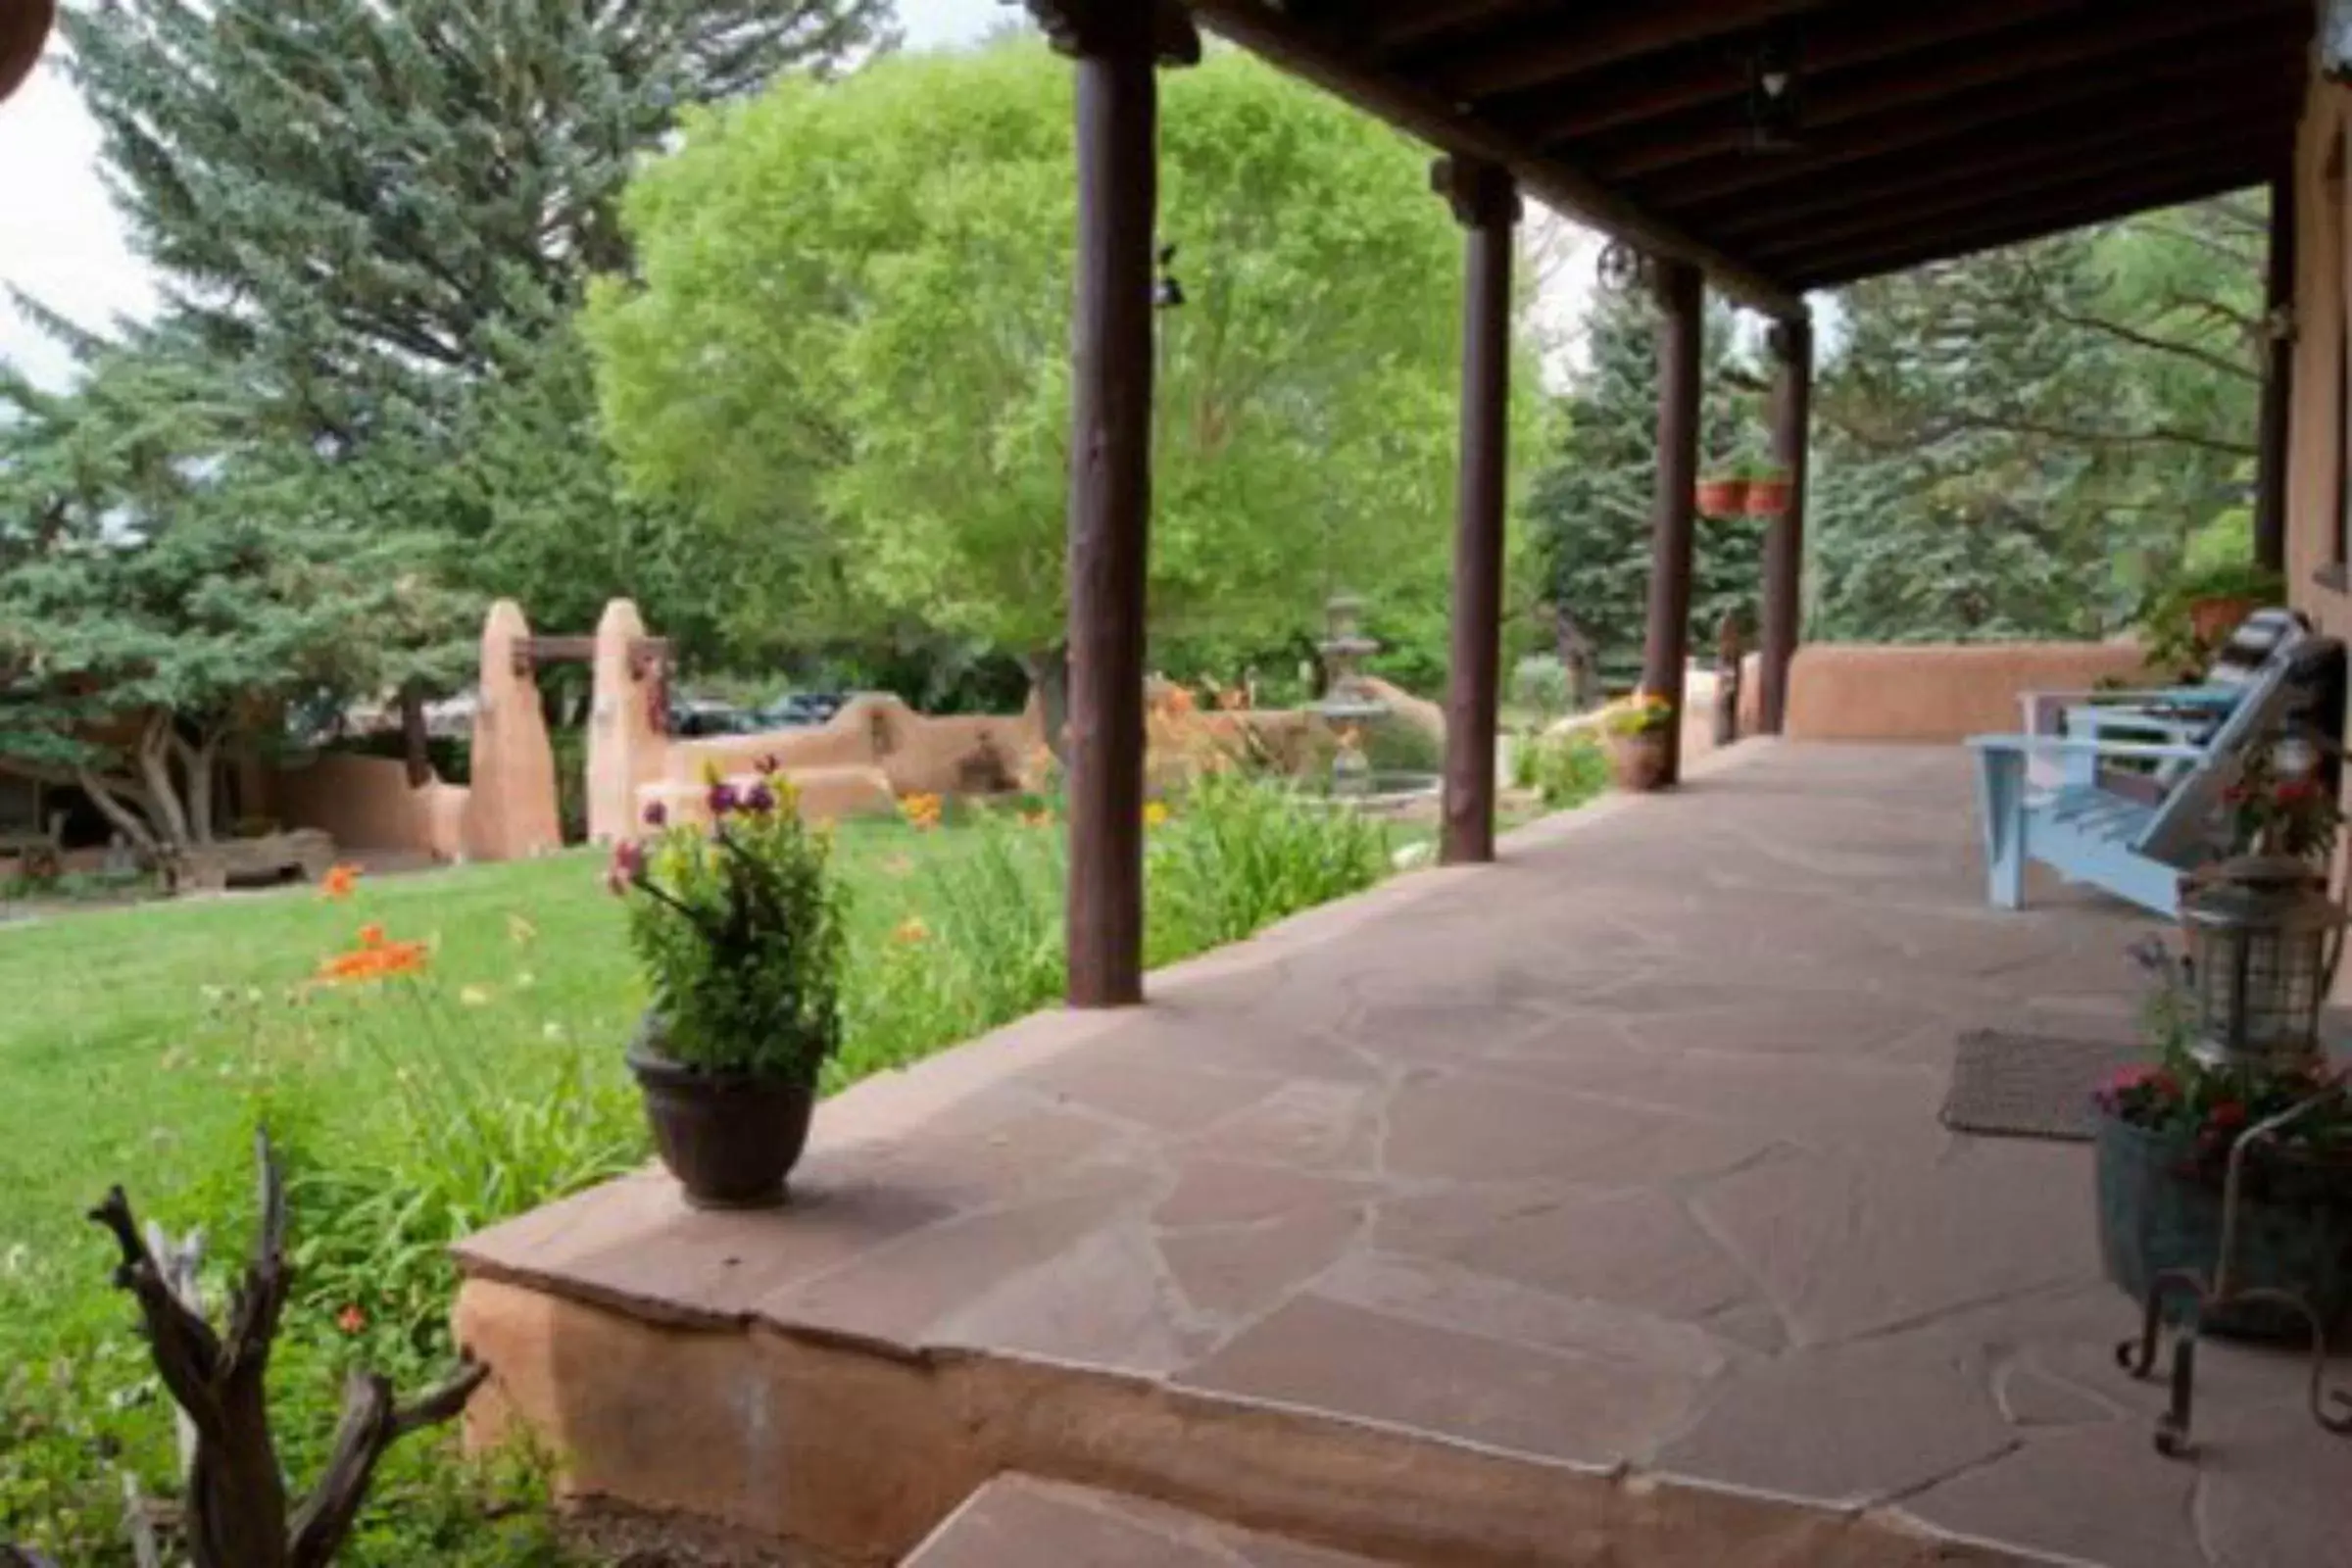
{"x": 143, "y": 1046}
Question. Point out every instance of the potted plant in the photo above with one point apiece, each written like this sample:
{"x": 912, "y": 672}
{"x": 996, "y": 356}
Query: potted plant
{"x": 1723, "y": 495}
{"x": 1638, "y": 730}
{"x": 2167, "y": 1130}
{"x": 739, "y": 930}
{"x": 1769, "y": 490}
{"x": 2193, "y": 612}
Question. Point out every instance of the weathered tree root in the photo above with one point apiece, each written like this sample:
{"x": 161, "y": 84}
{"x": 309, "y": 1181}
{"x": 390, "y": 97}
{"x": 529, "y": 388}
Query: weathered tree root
{"x": 238, "y": 1512}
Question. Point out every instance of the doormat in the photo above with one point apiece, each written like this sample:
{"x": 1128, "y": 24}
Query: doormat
{"x": 2031, "y": 1086}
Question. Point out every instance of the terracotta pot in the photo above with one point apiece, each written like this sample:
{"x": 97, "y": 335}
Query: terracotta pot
{"x": 1769, "y": 498}
{"x": 730, "y": 1139}
{"x": 2213, "y": 619}
{"x": 2160, "y": 1212}
{"x": 1637, "y": 761}
{"x": 1721, "y": 498}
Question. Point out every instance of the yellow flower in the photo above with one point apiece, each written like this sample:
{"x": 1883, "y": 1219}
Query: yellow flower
{"x": 475, "y": 996}
{"x": 1155, "y": 813}
{"x": 521, "y": 931}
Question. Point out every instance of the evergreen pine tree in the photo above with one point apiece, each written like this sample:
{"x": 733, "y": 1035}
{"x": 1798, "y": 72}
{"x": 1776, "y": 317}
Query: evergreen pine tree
{"x": 380, "y": 216}
{"x": 1589, "y": 511}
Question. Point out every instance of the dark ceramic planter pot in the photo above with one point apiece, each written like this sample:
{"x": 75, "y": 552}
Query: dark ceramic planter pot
{"x": 731, "y": 1140}
{"x": 2157, "y": 1214}
{"x": 1637, "y": 761}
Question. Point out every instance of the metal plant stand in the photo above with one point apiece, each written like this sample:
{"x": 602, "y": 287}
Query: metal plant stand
{"x": 2331, "y": 1408}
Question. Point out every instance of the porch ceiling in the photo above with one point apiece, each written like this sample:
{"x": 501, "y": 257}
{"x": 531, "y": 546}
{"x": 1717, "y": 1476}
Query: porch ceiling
{"x": 1925, "y": 131}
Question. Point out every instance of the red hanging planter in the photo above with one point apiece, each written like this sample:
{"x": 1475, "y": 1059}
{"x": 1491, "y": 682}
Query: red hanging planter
{"x": 1770, "y": 497}
{"x": 1721, "y": 498}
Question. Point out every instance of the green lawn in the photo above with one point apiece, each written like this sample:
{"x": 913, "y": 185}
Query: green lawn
{"x": 143, "y": 1045}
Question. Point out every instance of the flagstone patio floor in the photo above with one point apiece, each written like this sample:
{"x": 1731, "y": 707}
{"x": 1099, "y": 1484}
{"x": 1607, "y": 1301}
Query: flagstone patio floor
{"x": 1619, "y": 1157}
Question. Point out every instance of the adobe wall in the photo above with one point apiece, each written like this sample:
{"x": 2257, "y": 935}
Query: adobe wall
{"x": 1938, "y": 692}
{"x": 367, "y": 803}
{"x": 920, "y": 755}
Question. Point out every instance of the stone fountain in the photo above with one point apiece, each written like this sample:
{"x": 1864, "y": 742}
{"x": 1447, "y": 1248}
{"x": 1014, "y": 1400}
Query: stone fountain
{"x": 1350, "y": 707}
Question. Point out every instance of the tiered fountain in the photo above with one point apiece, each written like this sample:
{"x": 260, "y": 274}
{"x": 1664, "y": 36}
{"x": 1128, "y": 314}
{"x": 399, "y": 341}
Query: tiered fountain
{"x": 1350, "y": 707}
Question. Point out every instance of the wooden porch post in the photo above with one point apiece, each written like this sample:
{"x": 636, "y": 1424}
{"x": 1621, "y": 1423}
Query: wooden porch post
{"x": 1486, "y": 202}
{"x": 2278, "y": 382}
{"x": 1666, "y": 650}
{"x": 1784, "y": 542}
{"x": 1116, "y": 44}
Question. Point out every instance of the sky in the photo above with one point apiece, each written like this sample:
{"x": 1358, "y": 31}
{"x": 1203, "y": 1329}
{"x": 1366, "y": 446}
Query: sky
{"x": 60, "y": 242}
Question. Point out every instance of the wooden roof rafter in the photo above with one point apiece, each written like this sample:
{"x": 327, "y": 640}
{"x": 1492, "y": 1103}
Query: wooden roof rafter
{"x": 1918, "y": 129}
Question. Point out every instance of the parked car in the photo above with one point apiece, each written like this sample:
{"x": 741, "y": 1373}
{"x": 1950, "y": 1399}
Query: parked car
{"x": 694, "y": 717}
{"x": 802, "y": 710}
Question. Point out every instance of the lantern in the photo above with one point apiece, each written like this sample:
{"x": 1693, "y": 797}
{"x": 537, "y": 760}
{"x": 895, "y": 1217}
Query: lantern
{"x": 2262, "y": 943}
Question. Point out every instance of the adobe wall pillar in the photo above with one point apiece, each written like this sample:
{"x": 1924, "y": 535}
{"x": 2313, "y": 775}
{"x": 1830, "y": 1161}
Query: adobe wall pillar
{"x": 627, "y": 744}
{"x": 510, "y": 808}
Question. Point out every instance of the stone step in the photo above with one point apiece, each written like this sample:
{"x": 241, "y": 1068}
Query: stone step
{"x": 1018, "y": 1521}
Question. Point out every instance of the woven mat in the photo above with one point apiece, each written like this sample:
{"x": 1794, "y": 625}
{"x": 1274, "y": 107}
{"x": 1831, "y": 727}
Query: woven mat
{"x": 2031, "y": 1086}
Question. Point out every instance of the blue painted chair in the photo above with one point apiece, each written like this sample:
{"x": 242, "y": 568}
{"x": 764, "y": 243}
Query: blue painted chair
{"x": 2092, "y": 832}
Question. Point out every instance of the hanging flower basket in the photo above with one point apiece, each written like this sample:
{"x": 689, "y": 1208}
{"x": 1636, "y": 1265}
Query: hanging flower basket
{"x": 1770, "y": 497}
{"x": 1721, "y": 498}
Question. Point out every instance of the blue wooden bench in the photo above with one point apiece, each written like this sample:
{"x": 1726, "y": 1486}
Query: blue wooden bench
{"x": 2089, "y": 831}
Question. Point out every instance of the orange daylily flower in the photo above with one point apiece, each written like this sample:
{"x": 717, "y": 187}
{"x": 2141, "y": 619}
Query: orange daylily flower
{"x": 339, "y": 883}
{"x": 910, "y": 931}
{"x": 375, "y": 957}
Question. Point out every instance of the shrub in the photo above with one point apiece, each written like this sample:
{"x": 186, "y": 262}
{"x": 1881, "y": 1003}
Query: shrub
{"x": 739, "y": 930}
{"x": 979, "y": 945}
{"x": 1540, "y": 685}
{"x": 1239, "y": 853}
{"x": 1565, "y": 770}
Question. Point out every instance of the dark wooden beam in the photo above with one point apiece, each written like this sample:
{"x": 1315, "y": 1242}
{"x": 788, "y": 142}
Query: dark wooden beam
{"x": 2029, "y": 71}
{"x": 1567, "y": 41}
{"x": 1487, "y": 205}
{"x": 1305, "y": 52}
{"x": 2278, "y": 379}
{"x": 2035, "y": 155}
{"x": 1839, "y": 267}
{"x": 1398, "y": 27}
{"x": 1966, "y": 202}
{"x": 1650, "y": 89}
{"x": 1666, "y": 643}
{"x": 2267, "y": 74}
{"x": 1116, "y": 44}
{"x": 1785, "y": 537}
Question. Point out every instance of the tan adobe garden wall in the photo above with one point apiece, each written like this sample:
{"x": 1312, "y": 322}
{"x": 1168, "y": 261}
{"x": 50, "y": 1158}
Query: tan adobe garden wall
{"x": 367, "y": 803}
{"x": 1938, "y": 692}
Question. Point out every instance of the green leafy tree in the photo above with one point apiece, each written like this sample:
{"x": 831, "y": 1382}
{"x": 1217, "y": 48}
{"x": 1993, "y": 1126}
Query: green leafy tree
{"x": 382, "y": 214}
{"x": 1590, "y": 510}
{"x": 848, "y": 348}
{"x": 174, "y": 583}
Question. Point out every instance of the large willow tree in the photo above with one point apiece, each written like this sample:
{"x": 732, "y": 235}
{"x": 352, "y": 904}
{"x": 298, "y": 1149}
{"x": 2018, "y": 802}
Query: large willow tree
{"x": 846, "y": 348}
